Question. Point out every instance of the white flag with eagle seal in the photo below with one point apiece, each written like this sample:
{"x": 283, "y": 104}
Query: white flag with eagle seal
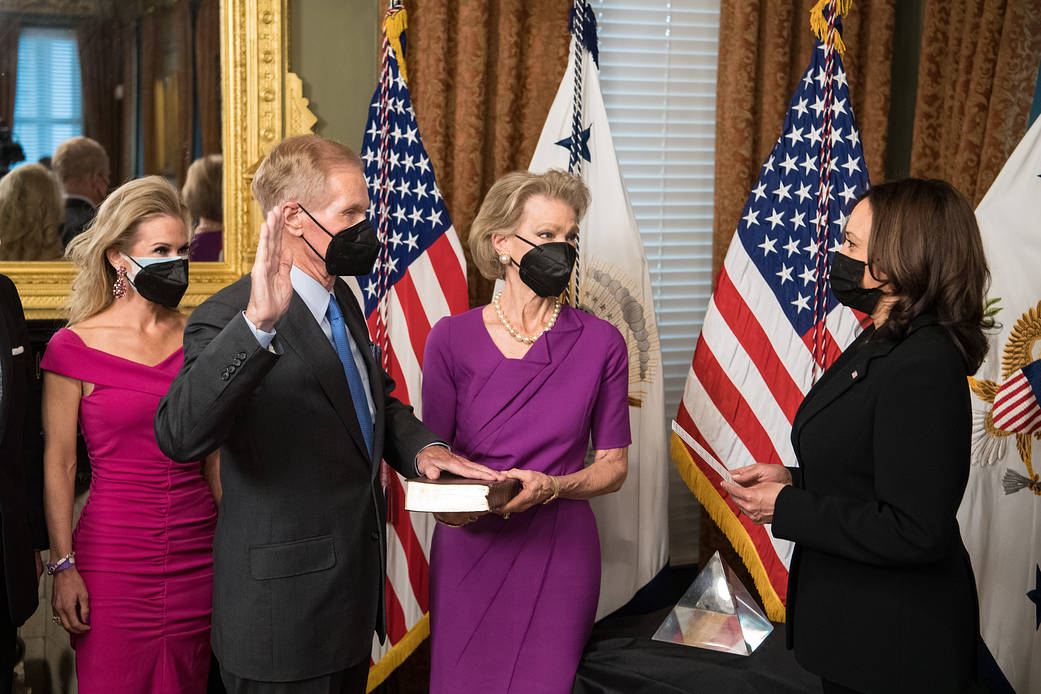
{"x": 611, "y": 281}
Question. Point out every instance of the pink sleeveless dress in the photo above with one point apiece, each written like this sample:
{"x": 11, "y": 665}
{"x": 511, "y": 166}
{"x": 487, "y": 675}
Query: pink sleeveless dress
{"x": 144, "y": 541}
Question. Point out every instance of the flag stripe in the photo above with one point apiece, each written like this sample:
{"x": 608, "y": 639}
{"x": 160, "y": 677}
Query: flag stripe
{"x": 416, "y": 324}
{"x": 450, "y": 273}
{"x": 413, "y": 552}
{"x": 424, "y": 277}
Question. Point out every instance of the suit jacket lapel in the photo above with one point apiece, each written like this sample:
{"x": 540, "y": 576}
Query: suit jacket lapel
{"x": 359, "y": 331}
{"x": 299, "y": 330}
{"x": 6, "y": 366}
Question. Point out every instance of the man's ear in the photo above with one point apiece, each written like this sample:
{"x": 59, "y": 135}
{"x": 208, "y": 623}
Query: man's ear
{"x": 293, "y": 218}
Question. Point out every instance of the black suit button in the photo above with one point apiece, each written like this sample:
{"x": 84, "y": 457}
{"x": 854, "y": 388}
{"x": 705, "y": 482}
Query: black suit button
{"x": 237, "y": 361}
{"x": 224, "y": 375}
{"x": 375, "y": 535}
{"x": 241, "y": 355}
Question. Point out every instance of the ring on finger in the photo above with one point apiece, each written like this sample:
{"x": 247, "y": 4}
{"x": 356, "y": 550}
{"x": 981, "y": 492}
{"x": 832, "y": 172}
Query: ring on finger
{"x": 56, "y": 619}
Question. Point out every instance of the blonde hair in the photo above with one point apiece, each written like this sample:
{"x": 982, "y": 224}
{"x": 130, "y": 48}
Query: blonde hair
{"x": 503, "y": 208}
{"x": 203, "y": 188}
{"x": 79, "y": 157}
{"x": 31, "y": 211}
{"x": 116, "y": 227}
{"x": 297, "y": 169}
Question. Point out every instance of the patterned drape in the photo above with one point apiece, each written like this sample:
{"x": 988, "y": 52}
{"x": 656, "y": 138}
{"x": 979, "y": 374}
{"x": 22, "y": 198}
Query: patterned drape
{"x": 8, "y": 68}
{"x": 976, "y": 76}
{"x": 482, "y": 74}
{"x": 764, "y": 46}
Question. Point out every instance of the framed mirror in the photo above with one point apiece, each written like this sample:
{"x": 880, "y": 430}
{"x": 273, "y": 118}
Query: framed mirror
{"x": 159, "y": 86}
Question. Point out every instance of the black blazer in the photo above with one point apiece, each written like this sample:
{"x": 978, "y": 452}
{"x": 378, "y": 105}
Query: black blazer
{"x": 22, "y": 527}
{"x": 881, "y": 595}
{"x": 299, "y": 552}
{"x": 78, "y": 214}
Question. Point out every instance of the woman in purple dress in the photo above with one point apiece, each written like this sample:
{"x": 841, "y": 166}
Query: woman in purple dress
{"x": 524, "y": 385}
{"x": 133, "y": 583}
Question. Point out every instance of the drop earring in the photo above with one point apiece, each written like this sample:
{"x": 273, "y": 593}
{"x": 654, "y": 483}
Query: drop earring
{"x": 119, "y": 287}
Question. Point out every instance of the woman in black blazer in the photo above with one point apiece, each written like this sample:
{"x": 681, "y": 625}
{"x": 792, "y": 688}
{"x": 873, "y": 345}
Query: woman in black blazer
{"x": 881, "y": 595}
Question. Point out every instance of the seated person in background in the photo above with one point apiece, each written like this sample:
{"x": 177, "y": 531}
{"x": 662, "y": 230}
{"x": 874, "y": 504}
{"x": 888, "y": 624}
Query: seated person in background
{"x": 81, "y": 166}
{"x": 203, "y": 192}
{"x": 30, "y": 214}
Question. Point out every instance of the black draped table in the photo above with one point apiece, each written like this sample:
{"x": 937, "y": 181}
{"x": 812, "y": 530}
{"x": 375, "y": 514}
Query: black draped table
{"x": 621, "y": 658}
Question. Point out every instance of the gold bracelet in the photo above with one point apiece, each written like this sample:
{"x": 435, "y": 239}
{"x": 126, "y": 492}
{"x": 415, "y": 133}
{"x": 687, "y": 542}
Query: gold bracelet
{"x": 556, "y": 489}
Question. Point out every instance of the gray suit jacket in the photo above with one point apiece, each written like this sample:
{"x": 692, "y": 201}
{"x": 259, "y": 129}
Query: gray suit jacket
{"x": 299, "y": 552}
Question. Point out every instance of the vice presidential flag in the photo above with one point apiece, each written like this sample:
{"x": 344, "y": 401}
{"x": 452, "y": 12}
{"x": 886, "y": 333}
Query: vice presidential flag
{"x": 612, "y": 282}
{"x": 418, "y": 279}
{"x": 1000, "y": 515}
{"x": 772, "y": 325}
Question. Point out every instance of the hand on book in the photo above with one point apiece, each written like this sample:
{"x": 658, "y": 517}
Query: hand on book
{"x": 536, "y": 488}
{"x": 458, "y": 519}
{"x": 432, "y": 460}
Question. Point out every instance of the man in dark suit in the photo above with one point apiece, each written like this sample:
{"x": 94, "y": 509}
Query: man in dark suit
{"x": 22, "y": 528}
{"x": 279, "y": 373}
{"x": 82, "y": 167}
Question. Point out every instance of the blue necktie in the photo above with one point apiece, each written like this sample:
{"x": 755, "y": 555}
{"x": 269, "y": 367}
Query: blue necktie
{"x": 343, "y": 350}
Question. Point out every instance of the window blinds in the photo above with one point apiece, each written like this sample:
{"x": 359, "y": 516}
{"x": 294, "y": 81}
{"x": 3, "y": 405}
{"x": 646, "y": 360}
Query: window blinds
{"x": 48, "y": 98}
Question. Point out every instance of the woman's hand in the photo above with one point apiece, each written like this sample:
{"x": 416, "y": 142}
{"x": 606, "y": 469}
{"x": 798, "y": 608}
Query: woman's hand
{"x": 70, "y": 601}
{"x": 536, "y": 488}
{"x": 761, "y": 472}
{"x": 456, "y": 520}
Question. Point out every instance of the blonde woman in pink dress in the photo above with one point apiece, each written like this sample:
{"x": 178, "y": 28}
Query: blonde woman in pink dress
{"x": 133, "y": 582}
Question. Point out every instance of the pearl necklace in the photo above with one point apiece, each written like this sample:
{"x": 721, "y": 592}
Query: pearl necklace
{"x": 526, "y": 339}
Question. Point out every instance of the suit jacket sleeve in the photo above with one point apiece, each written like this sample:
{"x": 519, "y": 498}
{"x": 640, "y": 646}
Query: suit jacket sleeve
{"x": 223, "y": 365}
{"x": 920, "y": 454}
{"x": 406, "y": 436}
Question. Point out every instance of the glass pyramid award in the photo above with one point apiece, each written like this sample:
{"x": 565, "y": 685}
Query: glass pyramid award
{"x": 716, "y": 613}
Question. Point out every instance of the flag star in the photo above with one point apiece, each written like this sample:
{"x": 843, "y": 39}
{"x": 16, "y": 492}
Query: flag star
{"x": 807, "y": 276}
{"x": 811, "y": 247}
{"x": 789, "y": 164}
{"x": 769, "y": 165}
{"x": 816, "y": 221}
{"x": 400, "y": 215}
{"x": 399, "y": 81}
{"x": 373, "y": 131}
{"x": 372, "y": 210}
{"x": 416, "y": 216}
{"x": 803, "y": 192}
{"x": 802, "y": 303}
{"x": 411, "y": 242}
{"x": 768, "y": 246}
{"x": 836, "y": 135}
{"x": 369, "y": 156}
{"x": 760, "y": 190}
{"x": 794, "y": 135}
{"x": 395, "y": 159}
{"x": 840, "y": 77}
{"x": 847, "y": 193}
{"x": 836, "y": 246}
{"x": 800, "y": 108}
{"x": 838, "y": 107}
{"x": 833, "y": 166}
{"x": 821, "y": 77}
{"x": 396, "y": 134}
{"x": 750, "y": 218}
{"x": 395, "y": 240}
{"x": 851, "y": 165}
{"x": 436, "y": 192}
{"x": 370, "y": 289}
{"x": 814, "y": 136}
{"x": 775, "y": 218}
{"x": 808, "y": 79}
{"x": 792, "y": 246}
{"x": 854, "y": 138}
{"x": 797, "y": 220}
{"x": 782, "y": 191}
{"x": 841, "y": 221}
{"x": 409, "y": 161}
{"x": 808, "y": 165}
{"x": 435, "y": 217}
{"x": 420, "y": 190}
{"x": 818, "y": 106}
{"x": 410, "y": 135}
{"x": 392, "y": 265}
{"x": 785, "y": 274}
{"x": 423, "y": 164}
{"x": 399, "y": 105}
{"x": 403, "y": 188}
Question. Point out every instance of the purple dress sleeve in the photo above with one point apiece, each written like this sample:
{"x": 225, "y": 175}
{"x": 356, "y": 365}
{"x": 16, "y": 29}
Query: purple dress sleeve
{"x": 609, "y": 426}
{"x": 439, "y": 394}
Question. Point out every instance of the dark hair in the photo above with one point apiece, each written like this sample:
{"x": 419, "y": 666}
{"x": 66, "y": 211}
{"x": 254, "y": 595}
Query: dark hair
{"x": 925, "y": 240}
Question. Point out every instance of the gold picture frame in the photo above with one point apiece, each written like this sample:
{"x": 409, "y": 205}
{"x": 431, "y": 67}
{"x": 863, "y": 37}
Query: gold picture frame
{"x": 262, "y": 103}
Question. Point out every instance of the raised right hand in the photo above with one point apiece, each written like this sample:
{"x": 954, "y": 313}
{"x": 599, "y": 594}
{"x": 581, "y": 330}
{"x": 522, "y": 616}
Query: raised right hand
{"x": 761, "y": 472}
{"x": 70, "y": 601}
{"x": 272, "y": 289}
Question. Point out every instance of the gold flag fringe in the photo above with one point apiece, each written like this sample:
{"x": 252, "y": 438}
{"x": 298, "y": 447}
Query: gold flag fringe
{"x": 399, "y": 653}
{"x": 819, "y": 24}
{"x": 393, "y": 27}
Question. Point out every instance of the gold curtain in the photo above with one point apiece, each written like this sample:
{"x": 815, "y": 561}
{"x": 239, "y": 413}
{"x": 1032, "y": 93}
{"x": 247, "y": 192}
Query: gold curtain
{"x": 8, "y": 69}
{"x": 101, "y": 54}
{"x": 764, "y": 47}
{"x": 207, "y": 74}
{"x": 482, "y": 74}
{"x": 976, "y": 75}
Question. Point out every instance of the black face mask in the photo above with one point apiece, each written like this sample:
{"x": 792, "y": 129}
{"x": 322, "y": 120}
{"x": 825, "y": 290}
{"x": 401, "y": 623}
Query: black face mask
{"x": 846, "y": 276}
{"x": 352, "y": 251}
{"x": 547, "y": 268}
{"x": 163, "y": 281}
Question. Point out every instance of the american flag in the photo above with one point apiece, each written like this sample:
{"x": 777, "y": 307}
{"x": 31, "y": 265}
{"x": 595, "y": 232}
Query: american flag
{"x": 1017, "y": 404}
{"x": 419, "y": 278}
{"x": 772, "y": 324}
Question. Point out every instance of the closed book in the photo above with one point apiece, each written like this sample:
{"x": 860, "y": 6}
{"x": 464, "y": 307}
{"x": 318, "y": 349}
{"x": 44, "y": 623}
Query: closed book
{"x": 451, "y": 494}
